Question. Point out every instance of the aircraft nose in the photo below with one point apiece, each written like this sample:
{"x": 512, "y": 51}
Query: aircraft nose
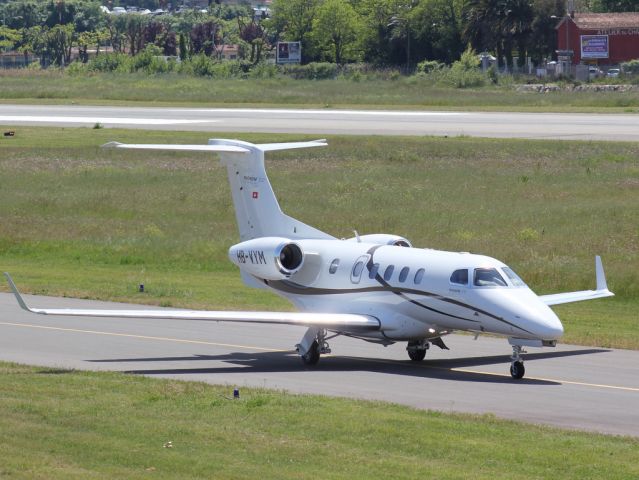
{"x": 549, "y": 327}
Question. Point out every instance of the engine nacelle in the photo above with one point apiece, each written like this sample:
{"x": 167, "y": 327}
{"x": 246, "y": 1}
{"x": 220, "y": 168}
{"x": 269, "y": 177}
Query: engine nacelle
{"x": 270, "y": 258}
{"x": 383, "y": 239}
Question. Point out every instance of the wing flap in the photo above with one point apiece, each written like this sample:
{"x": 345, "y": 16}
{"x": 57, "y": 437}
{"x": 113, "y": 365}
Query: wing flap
{"x": 331, "y": 321}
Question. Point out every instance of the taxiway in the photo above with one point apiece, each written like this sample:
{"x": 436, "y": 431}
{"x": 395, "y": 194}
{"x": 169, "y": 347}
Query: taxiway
{"x": 594, "y": 389}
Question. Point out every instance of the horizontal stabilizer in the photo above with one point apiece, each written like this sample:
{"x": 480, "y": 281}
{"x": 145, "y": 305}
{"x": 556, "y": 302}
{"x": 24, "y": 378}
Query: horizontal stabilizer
{"x": 187, "y": 148}
{"x": 270, "y": 147}
{"x": 569, "y": 297}
{"x": 331, "y": 321}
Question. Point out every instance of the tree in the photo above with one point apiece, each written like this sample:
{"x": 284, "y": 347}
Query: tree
{"x": 25, "y": 14}
{"x": 499, "y": 25}
{"x": 9, "y": 38}
{"x": 336, "y": 30}
{"x": 437, "y": 25}
{"x": 542, "y": 41}
{"x": 254, "y": 34}
{"x": 59, "y": 44}
{"x": 134, "y": 25}
{"x": 293, "y": 19}
{"x": 615, "y": 6}
{"x": 204, "y": 37}
{"x": 376, "y": 31}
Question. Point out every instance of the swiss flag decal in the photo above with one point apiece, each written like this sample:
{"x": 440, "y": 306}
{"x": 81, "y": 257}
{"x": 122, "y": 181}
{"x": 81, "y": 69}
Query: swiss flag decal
{"x": 254, "y": 194}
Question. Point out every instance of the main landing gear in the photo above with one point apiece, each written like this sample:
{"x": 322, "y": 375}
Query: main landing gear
{"x": 313, "y": 345}
{"x": 517, "y": 369}
{"x": 417, "y": 349}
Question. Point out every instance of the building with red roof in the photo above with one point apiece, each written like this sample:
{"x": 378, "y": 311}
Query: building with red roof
{"x": 599, "y": 38}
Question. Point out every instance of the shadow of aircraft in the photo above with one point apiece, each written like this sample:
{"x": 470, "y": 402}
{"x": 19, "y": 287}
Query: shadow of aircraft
{"x": 288, "y": 361}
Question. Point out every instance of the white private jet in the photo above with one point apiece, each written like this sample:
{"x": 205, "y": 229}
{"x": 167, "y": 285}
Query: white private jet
{"x": 376, "y": 287}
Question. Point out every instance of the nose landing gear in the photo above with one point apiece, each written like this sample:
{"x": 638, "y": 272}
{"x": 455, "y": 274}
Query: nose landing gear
{"x": 517, "y": 369}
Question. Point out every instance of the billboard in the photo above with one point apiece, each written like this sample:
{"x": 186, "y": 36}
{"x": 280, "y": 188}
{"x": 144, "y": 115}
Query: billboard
{"x": 594, "y": 46}
{"x": 289, "y": 52}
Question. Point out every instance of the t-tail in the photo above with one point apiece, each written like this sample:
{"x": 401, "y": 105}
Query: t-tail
{"x": 257, "y": 211}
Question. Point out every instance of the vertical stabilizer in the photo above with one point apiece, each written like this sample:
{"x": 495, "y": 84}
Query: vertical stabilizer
{"x": 257, "y": 211}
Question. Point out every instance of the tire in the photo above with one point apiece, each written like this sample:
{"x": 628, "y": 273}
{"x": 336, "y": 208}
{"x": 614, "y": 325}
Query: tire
{"x": 417, "y": 355}
{"x": 517, "y": 370}
{"x": 312, "y": 356}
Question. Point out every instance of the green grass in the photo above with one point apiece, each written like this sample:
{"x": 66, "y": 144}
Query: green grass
{"x": 91, "y": 223}
{"x": 52, "y": 86}
{"x": 59, "y": 424}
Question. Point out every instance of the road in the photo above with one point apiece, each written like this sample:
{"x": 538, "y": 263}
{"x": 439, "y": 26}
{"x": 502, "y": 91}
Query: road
{"x": 584, "y": 388}
{"x": 573, "y": 126}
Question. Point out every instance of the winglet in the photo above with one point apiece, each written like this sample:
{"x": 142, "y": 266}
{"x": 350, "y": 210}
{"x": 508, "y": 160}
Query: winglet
{"x": 599, "y": 272}
{"x": 13, "y": 287}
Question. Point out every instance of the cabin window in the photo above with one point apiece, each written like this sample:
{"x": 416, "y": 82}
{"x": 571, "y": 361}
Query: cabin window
{"x": 357, "y": 269}
{"x": 388, "y": 273}
{"x": 373, "y": 271}
{"x": 403, "y": 274}
{"x": 460, "y": 277}
{"x": 419, "y": 276}
{"x": 334, "y": 264}
{"x": 488, "y": 277}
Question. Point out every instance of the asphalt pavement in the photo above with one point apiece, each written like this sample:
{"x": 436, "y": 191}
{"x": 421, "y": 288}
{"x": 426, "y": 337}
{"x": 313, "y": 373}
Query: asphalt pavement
{"x": 585, "y": 388}
{"x": 563, "y": 126}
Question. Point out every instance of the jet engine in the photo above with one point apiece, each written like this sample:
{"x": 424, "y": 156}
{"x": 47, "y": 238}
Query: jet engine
{"x": 270, "y": 258}
{"x": 382, "y": 239}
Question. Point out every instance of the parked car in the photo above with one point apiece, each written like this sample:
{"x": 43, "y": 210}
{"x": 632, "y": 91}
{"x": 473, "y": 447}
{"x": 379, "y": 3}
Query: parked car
{"x": 613, "y": 72}
{"x": 594, "y": 72}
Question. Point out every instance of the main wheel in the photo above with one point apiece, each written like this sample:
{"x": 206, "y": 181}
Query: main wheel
{"x": 517, "y": 370}
{"x": 313, "y": 355}
{"x": 417, "y": 355}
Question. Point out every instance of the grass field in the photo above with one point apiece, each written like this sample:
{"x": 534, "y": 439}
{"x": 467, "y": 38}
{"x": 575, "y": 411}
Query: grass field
{"x": 53, "y": 86}
{"x": 61, "y": 424}
{"x": 84, "y": 222}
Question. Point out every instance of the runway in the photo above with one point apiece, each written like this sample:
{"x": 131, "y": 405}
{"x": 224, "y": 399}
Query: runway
{"x": 594, "y": 389}
{"x": 564, "y": 126}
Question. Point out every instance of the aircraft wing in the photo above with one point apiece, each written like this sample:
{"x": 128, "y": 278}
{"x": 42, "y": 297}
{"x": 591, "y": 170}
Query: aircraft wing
{"x": 188, "y": 148}
{"x": 265, "y": 147}
{"x": 330, "y": 321}
{"x": 569, "y": 297}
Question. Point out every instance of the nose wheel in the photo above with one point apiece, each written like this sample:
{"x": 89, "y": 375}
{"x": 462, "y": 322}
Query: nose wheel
{"x": 517, "y": 369}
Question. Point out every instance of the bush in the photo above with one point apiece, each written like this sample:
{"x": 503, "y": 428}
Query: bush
{"x": 312, "y": 71}
{"x": 465, "y": 72}
{"x": 631, "y": 67}
{"x": 264, "y": 70}
{"x": 77, "y": 68}
{"x": 110, "y": 62}
{"x": 429, "y": 66}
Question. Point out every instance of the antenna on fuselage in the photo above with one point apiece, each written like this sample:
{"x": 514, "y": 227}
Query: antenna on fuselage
{"x": 359, "y": 240}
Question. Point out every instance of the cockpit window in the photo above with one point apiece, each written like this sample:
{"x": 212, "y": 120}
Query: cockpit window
{"x": 513, "y": 277}
{"x": 460, "y": 277}
{"x": 488, "y": 277}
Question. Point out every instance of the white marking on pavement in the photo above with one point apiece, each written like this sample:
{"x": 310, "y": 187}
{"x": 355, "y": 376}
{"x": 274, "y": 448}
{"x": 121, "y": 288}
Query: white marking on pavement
{"x": 106, "y": 120}
{"x": 268, "y": 111}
